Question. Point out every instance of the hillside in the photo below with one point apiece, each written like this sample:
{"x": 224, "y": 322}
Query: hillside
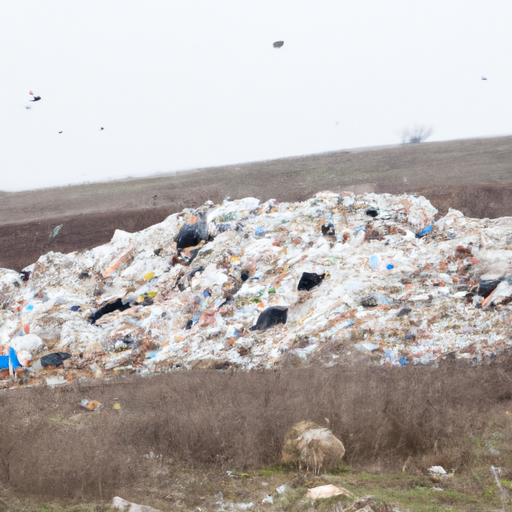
{"x": 474, "y": 176}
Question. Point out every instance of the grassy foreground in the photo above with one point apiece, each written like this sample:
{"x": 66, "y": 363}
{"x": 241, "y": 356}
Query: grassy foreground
{"x": 205, "y": 440}
{"x": 208, "y": 490}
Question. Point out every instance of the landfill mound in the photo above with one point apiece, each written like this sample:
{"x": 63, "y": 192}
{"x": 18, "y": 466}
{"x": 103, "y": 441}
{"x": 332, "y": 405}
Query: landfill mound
{"x": 248, "y": 285}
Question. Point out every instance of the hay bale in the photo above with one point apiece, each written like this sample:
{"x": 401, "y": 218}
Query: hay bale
{"x": 307, "y": 444}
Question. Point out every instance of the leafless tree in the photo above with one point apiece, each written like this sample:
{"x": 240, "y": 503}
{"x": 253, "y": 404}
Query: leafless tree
{"x": 416, "y": 134}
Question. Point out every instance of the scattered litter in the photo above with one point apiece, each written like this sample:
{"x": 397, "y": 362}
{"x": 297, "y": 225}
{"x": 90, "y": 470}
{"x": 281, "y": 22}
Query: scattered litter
{"x": 328, "y": 229}
{"x": 425, "y": 231}
{"x": 487, "y": 283}
{"x": 12, "y": 361}
{"x": 54, "y": 359}
{"x": 31, "y": 342}
{"x": 372, "y": 211}
{"x": 268, "y": 500}
{"x": 309, "y": 280}
{"x": 438, "y": 474}
{"x": 404, "y": 311}
{"x": 271, "y": 316}
{"x": 109, "y": 307}
{"x": 328, "y": 491}
{"x": 504, "y": 495}
{"x": 367, "y": 347}
{"x": 91, "y": 405}
{"x": 438, "y": 470}
{"x": 127, "y": 506}
{"x": 191, "y": 233}
{"x": 57, "y": 380}
{"x": 55, "y": 231}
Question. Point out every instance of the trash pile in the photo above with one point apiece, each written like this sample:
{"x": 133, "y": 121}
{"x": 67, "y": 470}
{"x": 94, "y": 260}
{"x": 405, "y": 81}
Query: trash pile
{"x": 245, "y": 284}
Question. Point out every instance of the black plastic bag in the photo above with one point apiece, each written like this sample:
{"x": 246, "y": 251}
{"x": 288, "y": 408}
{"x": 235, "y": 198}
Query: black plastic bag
{"x": 309, "y": 280}
{"x": 55, "y": 359}
{"x": 191, "y": 234}
{"x": 270, "y": 317}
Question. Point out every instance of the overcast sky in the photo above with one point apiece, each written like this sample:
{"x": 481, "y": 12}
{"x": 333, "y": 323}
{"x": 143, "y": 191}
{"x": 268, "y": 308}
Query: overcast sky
{"x": 182, "y": 84}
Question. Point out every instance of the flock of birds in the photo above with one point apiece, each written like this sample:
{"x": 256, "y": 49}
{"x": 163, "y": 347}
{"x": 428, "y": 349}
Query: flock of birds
{"x": 38, "y": 98}
{"x": 276, "y": 44}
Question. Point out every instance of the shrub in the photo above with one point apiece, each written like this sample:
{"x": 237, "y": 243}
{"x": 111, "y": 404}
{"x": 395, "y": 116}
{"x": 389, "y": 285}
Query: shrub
{"x": 415, "y": 135}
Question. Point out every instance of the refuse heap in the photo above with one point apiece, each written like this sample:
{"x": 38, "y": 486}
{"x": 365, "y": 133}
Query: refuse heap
{"x": 376, "y": 274}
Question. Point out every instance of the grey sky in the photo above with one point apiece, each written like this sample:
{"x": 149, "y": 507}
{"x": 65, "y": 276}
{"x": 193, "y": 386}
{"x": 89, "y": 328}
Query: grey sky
{"x": 186, "y": 84}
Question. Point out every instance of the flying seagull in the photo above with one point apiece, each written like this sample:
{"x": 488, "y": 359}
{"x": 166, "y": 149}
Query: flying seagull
{"x": 278, "y": 44}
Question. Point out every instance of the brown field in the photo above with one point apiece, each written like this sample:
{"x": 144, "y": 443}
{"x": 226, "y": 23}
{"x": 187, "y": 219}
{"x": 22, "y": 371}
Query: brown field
{"x": 200, "y": 424}
{"x": 474, "y": 176}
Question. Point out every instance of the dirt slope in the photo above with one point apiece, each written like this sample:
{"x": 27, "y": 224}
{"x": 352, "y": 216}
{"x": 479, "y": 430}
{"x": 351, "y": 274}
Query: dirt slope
{"x": 474, "y": 176}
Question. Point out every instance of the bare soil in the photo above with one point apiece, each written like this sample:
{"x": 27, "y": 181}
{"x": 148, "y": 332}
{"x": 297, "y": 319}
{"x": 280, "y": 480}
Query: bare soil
{"x": 474, "y": 176}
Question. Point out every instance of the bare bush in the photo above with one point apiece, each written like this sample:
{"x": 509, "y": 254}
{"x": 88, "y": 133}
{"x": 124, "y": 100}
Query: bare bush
{"x": 416, "y": 134}
{"x": 384, "y": 416}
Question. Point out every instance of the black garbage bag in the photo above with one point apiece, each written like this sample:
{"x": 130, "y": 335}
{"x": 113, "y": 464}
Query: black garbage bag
{"x": 372, "y": 211}
{"x": 328, "y": 229}
{"x": 55, "y": 359}
{"x": 270, "y": 317}
{"x": 191, "y": 234}
{"x": 309, "y": 280}
{"x": 487, "y": 284}
{"x": 109, "y": 307}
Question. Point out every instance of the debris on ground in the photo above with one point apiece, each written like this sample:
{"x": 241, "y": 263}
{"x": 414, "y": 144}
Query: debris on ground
{"x": 393, "y": 283}
{"x": 91, "y": 405}
{"x": 121, "y": 504}
{"x": 438, "y": 474}
{"x": 328, "y": 491}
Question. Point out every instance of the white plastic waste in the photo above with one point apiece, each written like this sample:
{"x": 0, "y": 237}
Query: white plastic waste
{"x": 156, "y": 309}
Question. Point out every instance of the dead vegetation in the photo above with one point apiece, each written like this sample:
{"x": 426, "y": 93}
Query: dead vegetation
{"x": 392, "y": 419}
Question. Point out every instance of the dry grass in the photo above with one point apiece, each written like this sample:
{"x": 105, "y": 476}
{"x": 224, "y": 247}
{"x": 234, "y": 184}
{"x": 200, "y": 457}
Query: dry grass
{"x": 387, "y": 418}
